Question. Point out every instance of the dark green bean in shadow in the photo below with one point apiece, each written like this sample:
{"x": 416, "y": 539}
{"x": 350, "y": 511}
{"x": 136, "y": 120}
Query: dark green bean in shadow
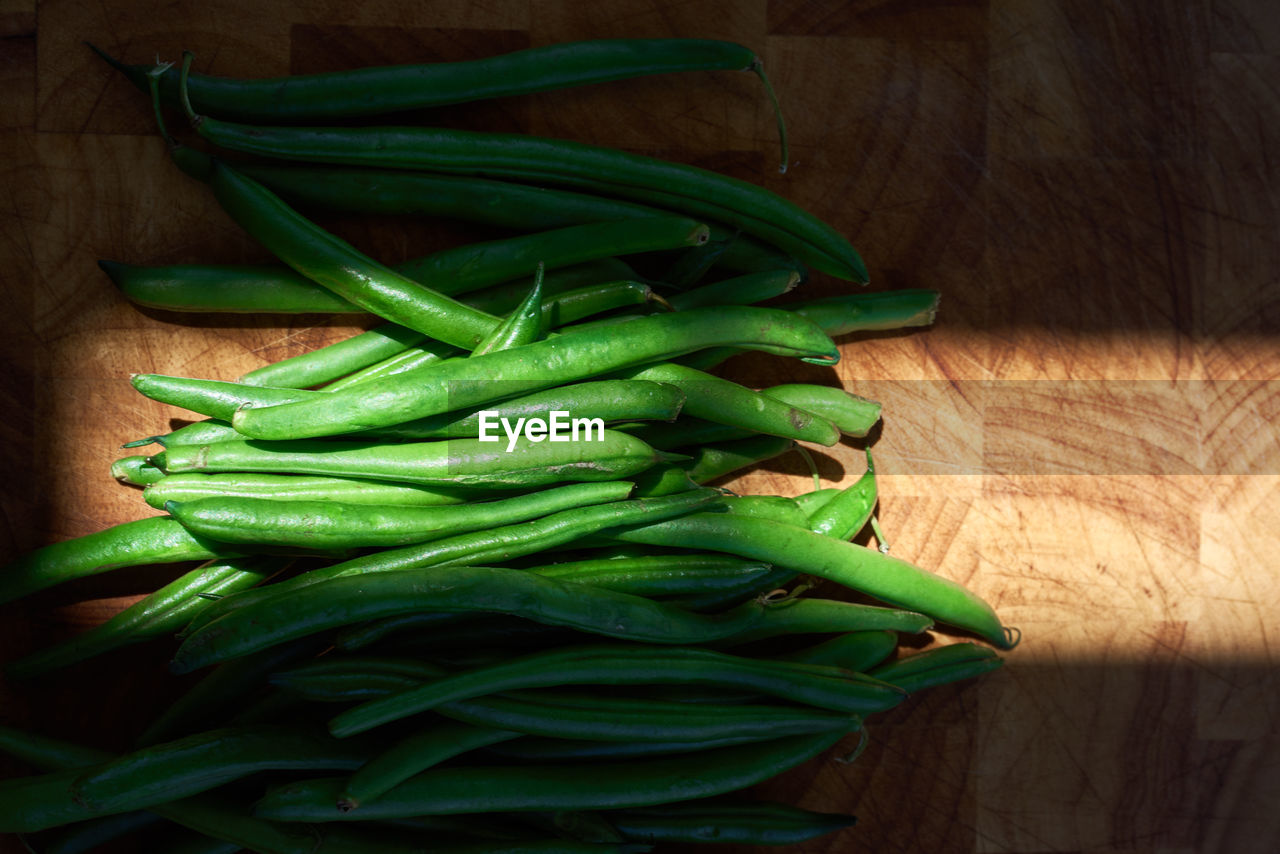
{"x": 743, "y": 823}
{"x": 500, "y": 788}
{"x": 163, "y": 612}
{"x": 194, "y": 486}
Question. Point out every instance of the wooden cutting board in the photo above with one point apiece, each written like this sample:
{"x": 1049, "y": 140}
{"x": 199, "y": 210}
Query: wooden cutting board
{"x": 1086, "y": 436}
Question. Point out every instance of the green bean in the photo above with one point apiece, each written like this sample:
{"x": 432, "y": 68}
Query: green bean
{"x": 870, "y": 312}
{"x": 826, "y": 688}
{"x": 523, "y": 326}
{"x": 338, "y": 266}
{"x": 843, "y": 315}
{"x": 166, "y": 773}
{"x": 723, "y": 458}
{"x": 498, "y": 788}
{"x": 848, "y": 513}
{"x": 879, "y": 575}
{"x": 195, "y": 486}
{"x": 335, "y": 360}
{"x": 146, "y": 541}
{"x": 136, "y": 470}
{"x": 606, "y": 400}
{"x": 292, "y": 611}
{"x": 397, "y": 88}
{"x": 714, "y": 399}
{"x": 658, "y": 575}
{"x": 198, "y": 813}
{"x": 939, "y": 666}
{"x": 163, "y": 612}
{"x": 195, "y": 433}
{"x": 497, "y": 203}
{"x": 746, "y": 823}
{"x": 855, "y": 416}
{"x": 810, "y": 502}
{"x": 713, "y": 601}
{"x": 414, "y": 755}
{"x": 856, "y": 651}
{"x": 461, "y": 383}
{"x": 214, "y": 398}
{"x": 775, "y": 507}
{"x": 448, "y": 462}
{"x": 337, "y": 525}
{"x": 739, "y": 290}
{"x": 538, "y": 160}
{"x": 661, "y": 480}
{"x": 497, "y": 545}
{"x": 684, "y": 432}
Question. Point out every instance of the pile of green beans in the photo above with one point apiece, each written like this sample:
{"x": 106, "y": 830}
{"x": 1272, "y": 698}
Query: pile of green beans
{"x": 415, "y": 574}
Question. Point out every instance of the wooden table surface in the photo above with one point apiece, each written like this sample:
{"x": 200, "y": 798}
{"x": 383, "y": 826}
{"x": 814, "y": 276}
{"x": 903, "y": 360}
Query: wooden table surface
{"x": 1086, "y": 436}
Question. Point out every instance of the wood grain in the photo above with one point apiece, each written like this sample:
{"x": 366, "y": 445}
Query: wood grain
{"x": 1086, "y": 437}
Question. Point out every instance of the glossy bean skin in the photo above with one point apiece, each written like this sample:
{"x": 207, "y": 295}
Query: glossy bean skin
{"x": 336, "y": 360}
{"x": 136, "y": 470}
{"x": 301, "y": 611}
{"x": 849, "y": 512}
{"x": 498, "y": 545}
{"x": 853, "y": 415}
{"x": 448, "y": 462}
{"x": 154, "y": 540}
{"x": 337, "y": 525}
{"x": 332, "y": 262}
{"x": 498, "y": 788}
{"x": 461, "y": 383}
{"x": 714, "y": 399}
{"x": 195, "y": 486}
{"x": 396, "y": 88}
{"x": 163, "y": 612}
{"x": 540, "y": 160}
{"x": 746, "y": 823}
{"x": 882, "y": 576}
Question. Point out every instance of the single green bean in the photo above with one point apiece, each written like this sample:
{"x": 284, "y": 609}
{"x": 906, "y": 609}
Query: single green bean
{"x": 448, "y": 462}
{"x": 739, "y": 290}
{"x": 146, "y": 541}
{"x": 856, "y": 651}
{"x": 335, "y": 360}
{"x": 714, "y": 399}
{"x": 332, "y": 262}
{"x": 195, "y": 486}
{"x": 848, "y": 513}
{"x": 136, "y": 470}
{"x": 717, "y": 460}
{"x": 882, "y": 576}
{"x": 855, "y": 416}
